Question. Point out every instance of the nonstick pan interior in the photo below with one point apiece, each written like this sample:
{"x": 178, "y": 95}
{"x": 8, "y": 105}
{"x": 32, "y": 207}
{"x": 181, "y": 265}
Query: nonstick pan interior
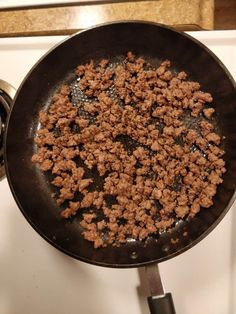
{"x": 31, "y": 187}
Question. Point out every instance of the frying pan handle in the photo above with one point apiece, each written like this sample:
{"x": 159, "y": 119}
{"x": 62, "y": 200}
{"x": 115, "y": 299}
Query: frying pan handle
{"x": 161, "y": 304}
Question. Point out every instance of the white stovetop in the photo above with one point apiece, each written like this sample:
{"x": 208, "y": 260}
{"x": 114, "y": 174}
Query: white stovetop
{"x": 36, "y": 278}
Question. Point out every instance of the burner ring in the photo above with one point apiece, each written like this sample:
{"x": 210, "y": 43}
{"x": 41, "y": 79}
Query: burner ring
{"x": 7, "y": 93}
{"x": 1, "y": 129}
{"x": 4, "y": 110}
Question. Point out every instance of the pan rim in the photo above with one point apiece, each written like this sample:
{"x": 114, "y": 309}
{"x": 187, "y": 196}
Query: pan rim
{"x": 34, "y": 226}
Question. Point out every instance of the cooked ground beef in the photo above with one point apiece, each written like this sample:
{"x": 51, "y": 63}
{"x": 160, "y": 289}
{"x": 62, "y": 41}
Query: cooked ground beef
{"x": 133, "y": 135}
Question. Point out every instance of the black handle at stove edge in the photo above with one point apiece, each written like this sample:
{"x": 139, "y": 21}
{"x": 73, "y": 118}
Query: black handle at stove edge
{"x": 8, "y": 89}
{"x": 161, "y": 304}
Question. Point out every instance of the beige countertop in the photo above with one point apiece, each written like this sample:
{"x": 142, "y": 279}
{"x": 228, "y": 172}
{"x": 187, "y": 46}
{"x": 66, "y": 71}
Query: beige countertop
{"x": 182, "y": 14}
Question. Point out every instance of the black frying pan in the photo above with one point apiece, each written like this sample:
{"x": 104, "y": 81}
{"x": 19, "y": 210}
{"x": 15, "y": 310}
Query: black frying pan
{"x": 31, "y": 187}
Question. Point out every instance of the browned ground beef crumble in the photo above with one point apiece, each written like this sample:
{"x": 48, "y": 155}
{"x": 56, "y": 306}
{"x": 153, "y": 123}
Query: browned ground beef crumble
{"x": 155, "y": 168}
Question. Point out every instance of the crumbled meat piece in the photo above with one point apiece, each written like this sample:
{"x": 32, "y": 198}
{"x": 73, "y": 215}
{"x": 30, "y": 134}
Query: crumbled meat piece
{"x": 182, "y": 75}
{"x": 103, "y": 63}
{"x": 208, "y": 112}
{"x": 87, "y": 200}
{"x": 136, "y": 163}
{"x": 174, "y": 241}
{"x": 89, "y": 217}
{"x": 195, "y": 207}
{"x": 204, "y": 97}
{"x": 182, "y": 211}
{"x": 130, "y": 56}
{"x": 82, "y": 123}
{"x": 46, "y": 165}
{"x": 83, "y": 184}
{"x": 90, "y": 108}
{"x": 206, "y": 127}
{"x": 58, "y": 181}
{"x": 156, "y": 194}
{"x": 196, "y": 108}
{"x": 191, "y": 136}
{"x": 201, "y": 143}
{"x": 155, "y": 146}
{"x": 214, "y": 178}
{"x": 71, "y": 210}
{"x": 210, "y": 190}
{"x": 213, "y": 137}
{"x": 206, "y": 201}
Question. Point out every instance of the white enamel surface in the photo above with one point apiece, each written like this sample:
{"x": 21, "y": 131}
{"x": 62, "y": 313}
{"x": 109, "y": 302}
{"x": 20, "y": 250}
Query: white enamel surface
{"x": 36, "y": 278}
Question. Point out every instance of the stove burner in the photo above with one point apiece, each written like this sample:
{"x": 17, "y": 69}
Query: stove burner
{"x": 4, "y": 109}
{"x": 5, "y": 102}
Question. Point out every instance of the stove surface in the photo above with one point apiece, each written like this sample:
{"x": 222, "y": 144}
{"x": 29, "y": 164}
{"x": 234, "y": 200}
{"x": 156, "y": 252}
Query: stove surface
{"x": 36, "y": 278}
